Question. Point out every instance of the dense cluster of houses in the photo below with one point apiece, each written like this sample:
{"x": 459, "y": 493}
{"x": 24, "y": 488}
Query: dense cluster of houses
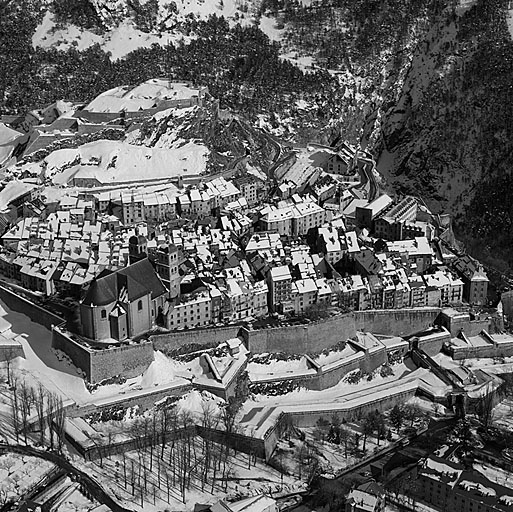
{"x": 223, "y": 265}
{"x": 239, "y": 246}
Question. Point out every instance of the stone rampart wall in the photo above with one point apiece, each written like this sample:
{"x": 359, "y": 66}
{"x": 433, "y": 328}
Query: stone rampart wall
{"x": 100, "y": 451}
{"x": 331, "y": 376}
{"x": 240, "y": 442}
{"x": 77, "y": 352}
{"x": 144, "y": 401}
{"x": 176, "y": 339}
{"x": 395, "y": 322}
{"x": 307, "y": 338}
{"x": 36, "y": 313}
{"x": 309, "y": 418}
{"x": 8, "y": 352}
{"x": 433, "y": 345}
{"x": 127, "y": 360}
{"x": 491, "y": 350}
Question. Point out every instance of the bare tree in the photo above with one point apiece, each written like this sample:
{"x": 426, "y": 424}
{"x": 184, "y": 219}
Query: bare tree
{"x": 345, "y": 439}
{"x": 26, "y": 400}
{"x": 7, "y": 356}
{"x": 369, "y": 425}
{"x": 39, "y": 403}
{"x": 484, "y": 408}
{"x": 412, "y": 412}
{"x": 210, "y": 421}
{"x": 55, "y": 418}
{"x": 15, "y": 407}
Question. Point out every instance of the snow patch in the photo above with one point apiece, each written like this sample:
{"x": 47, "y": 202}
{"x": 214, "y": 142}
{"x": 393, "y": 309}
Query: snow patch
{"x": 119, "y": 41}
{"x": 269, "y": 27}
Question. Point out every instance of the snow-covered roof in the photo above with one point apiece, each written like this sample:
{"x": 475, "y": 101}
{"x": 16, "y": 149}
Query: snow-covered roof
{"x": 147, "y": 95}
{"x": 13, "y": 190}
{"x": 112, "y": 162}
{"x": 281, "y": 273}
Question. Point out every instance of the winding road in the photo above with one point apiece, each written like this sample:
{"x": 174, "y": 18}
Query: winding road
{"x": 93, "y": 487}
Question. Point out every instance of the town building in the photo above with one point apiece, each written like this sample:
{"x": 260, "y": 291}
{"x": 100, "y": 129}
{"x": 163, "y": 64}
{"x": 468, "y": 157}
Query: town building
{"x": 448, "y": 485}
{"x": 192, "y": 310}
{"x": 366, "y": 215}
{"x": 293, "y": 218}
{"x": 367, "y": 497}
{"x": 280, "y": 289}
{"x": 450, "y": 287}
{"x": 389, "y": 225}
{"x": 418, "y": 252}
{"x": 123, "y": 304}
{"x": 475, "y": 280}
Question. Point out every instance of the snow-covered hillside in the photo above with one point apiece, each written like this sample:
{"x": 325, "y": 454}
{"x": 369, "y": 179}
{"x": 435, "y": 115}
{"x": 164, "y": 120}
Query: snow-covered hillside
{"x": 120, "y": 34}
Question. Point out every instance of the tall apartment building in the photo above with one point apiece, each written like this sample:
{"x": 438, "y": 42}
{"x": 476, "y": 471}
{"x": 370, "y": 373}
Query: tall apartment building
{"x": 280, "y": 288}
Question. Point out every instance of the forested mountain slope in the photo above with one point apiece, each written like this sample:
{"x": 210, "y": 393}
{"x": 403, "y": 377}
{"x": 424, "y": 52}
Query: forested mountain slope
{"x": 425, "y": 85}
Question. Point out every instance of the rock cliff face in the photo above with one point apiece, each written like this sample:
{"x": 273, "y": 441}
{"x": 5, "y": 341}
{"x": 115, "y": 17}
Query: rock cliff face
{"x": 430, "y": 82}
{"x": 447, "y": 133}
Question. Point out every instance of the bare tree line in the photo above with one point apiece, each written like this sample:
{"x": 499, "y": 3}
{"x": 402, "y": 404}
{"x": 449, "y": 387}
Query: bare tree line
{"x": 34, "y": 408}
{"x": 166, "y": 451}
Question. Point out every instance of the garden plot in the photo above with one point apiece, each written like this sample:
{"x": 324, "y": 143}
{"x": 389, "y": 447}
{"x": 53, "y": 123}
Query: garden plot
{"x": 18, "y": 473}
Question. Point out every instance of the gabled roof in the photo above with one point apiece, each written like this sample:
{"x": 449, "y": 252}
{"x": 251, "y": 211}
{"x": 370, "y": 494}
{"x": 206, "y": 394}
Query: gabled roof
{"x": 138, "y": 280}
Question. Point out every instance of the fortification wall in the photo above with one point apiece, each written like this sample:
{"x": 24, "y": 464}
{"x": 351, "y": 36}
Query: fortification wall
{"x": 374, "y": 359}
{"x": 395, "y": 322}
{"x": 463, "y": 323}
{"x": 36, "y": 313}
{"x": 491, "y": 350}
{"x": 239, "y": 442}
{"x": 432, "y": 345}
{"x": 128, "y": 361}
{"x": 144, "y": 401}
{"x": 309, "y": 418}
{"x": 8, "y": 352}
{"x": 327, "y": 377}
{"x": 332, "y": 376}
{"x": 300, "y": 339}
{"x": 100, "y": 451}
{"x": 227, "y": 389}
{"x": 77, "y": 352}
{"x": 176, "y": 339}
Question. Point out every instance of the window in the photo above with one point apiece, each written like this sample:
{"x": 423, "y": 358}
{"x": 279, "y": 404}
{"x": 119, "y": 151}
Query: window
{"x": 139, "y": 306}
{"x": 104, "y": 313}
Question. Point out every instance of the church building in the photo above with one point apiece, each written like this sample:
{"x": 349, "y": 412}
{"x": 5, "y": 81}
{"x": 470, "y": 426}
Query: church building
{"x": 123, "y": 304}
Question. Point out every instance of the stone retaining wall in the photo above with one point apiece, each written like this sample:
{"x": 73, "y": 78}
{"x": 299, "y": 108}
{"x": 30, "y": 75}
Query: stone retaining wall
{"x": 36, "y": 313}
{"x": 305, "y": 338}
{"x": 127, "y": 360}
{"x": 395, "y": 322}
{"x": 176, "y": 339}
